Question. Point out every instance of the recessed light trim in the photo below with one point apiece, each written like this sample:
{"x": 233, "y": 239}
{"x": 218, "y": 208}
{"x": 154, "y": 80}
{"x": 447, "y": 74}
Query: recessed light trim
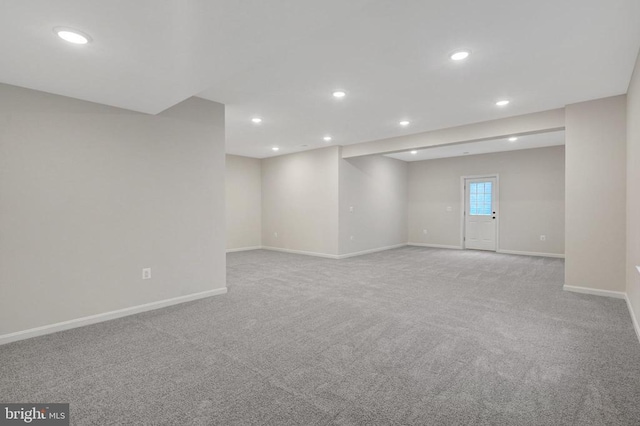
{"x": 503, "y": 102}
{"x": 339, "y": 94}
{"x": 72, "y": 36}
{"x": 513, "y": 139}
{"x": 404, "y": 123}
{"x": 460, "y": 55}
{"x": 275, "y": 148}
{"x": 414, "y": 152}
{"x": 327, "y": 138}
{"x": 256, "y": 120}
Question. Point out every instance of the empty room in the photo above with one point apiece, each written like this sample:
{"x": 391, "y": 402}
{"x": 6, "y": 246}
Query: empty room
{"x": 363, "y": 212}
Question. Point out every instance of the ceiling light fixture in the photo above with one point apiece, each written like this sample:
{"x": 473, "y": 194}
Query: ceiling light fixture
{"x": 414, "y": 152}
{"x": 72, "y": 36}
{"x": 327, "y": 138}
{"x": 275, "y": 148}
{"x": 339, "y": 94}
{"x": 404, "y": 123}
{"x": 257, "y": 120}
{"x": 513, "y": 139}
{"x": 460, "y": 55}
{"x": 503, "y": 102}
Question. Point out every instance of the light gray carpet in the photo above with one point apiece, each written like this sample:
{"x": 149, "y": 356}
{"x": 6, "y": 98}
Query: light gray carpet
{"x": 408, "y": 336}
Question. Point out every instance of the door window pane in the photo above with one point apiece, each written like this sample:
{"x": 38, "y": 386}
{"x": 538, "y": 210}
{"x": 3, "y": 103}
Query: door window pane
{"x": 480, "y": 198}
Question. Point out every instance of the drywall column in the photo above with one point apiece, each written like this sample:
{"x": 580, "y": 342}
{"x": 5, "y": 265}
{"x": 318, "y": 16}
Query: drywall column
{"x": 596, "y": 195}
{"x": 90, "y": 195}
{"x": 633, "y": 194}
{"x": 300, "y": 202}
{"x": 373, "y": 203}
{"x": 244, "y": 202}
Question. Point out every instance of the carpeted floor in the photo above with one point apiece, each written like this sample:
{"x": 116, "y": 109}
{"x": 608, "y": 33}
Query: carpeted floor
{"x": 407, "y": 336}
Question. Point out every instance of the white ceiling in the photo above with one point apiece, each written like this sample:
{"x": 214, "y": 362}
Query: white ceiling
{"x": 281, "y": 59}
{"x": 539, "y": 140}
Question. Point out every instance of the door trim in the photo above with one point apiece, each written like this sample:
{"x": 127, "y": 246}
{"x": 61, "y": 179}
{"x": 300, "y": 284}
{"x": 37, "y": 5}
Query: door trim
{"x": 463, "y": 206}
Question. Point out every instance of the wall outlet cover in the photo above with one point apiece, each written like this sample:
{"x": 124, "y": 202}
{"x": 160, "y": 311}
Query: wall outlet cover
{"x": 146, "y": 273}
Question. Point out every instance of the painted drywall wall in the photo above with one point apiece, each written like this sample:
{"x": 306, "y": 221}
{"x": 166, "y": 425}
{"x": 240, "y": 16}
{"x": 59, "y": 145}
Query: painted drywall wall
{"x": 531, "y": 199}
{"x": 373, "y": 203}
{"x": 89, "y": 195}
{"x": 633, "y": 192}
{"x": 243, "y": 202}
{"x": 596, "y": 134}
{"x": 300, "y": 201}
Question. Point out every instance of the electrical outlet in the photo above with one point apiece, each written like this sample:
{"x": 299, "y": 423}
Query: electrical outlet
{"x": 449, "y": 209}
{"x": 275, "y": 234}
{"x": 350, "y": 209}
{"x": 146, "y": 273}
{"x": 424, "y": 231}
{"x": 543, "y": 238}
{"x": 352, "y": 238}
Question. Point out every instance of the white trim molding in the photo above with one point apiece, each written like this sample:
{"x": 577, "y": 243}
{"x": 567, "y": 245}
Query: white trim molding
{"x": 106, "y": 316}
{"x": 233, "y": 250}
{"x": 634, "y": 318}
{"x": 334, "y": 256}
{"x": 442, "y": 246}
{"x": 531, "y": 253}
{"x": 595, "y": 291}
{"x": 306, "y": 253}
{"x": 374, "y": 250}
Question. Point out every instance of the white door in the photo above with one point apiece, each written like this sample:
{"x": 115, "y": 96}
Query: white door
{"x": 480, "y": 213}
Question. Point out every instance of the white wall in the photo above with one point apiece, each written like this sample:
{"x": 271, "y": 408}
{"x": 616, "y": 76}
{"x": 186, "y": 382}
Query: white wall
{"x": 300, "y": 201}
{"x": 376, "y": 188}
{"x": 243, "y": 202}
{"x": 89, "y": 195}
{"x": 531, "y": 198}
{"x": 633, "y": 191}
{"x": 596, "y": 194}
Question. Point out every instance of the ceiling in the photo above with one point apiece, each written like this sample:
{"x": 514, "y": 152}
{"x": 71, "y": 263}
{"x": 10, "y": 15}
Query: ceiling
{"x": 281, "y": 60}
{"x": 539, "y": 140}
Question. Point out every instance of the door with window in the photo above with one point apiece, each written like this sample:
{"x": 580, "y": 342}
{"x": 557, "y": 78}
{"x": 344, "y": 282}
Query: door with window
{"x": 480, "y": 221}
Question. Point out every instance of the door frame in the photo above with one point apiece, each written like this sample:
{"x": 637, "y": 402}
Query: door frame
{"x": 463, "y": 204}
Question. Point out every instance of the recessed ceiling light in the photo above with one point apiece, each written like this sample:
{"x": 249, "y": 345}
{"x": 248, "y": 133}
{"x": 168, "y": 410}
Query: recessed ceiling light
{"x": 275, "y": 148}
{"x": 339, "y": 94}
{"x": 502, "y": 102}
{"x": 414, "y": 152}
{"x": 72, "y": 36}
{"x": 327, "y": 138}
{"x": 460, "y": 55}
{"x": 257, "y": 120}
{"x": 513, "y": 139}
{"x": 404, "y": 123}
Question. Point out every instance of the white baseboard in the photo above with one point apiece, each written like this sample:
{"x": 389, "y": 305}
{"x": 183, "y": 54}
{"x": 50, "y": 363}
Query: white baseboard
{"x": 233, "y": 250}
{"x": 595, "y": 291}
{"x": 435, "y": 246}
{"x": 374, "y": 250}
{"x": 634, "y": 318}
{"x": 93, "y": 319}
{"x": 333, "y": 256}
{"x": 530, "y": 253}
{"x": 306, "y": 253}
